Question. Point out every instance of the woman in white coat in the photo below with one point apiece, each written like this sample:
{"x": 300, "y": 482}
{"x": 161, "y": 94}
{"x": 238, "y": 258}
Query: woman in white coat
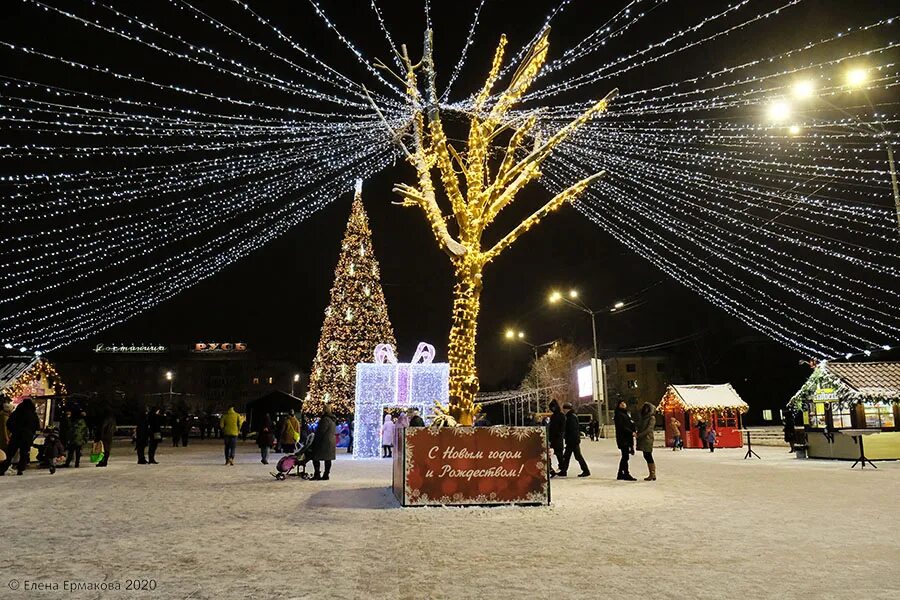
{"x": 387, "y": 436}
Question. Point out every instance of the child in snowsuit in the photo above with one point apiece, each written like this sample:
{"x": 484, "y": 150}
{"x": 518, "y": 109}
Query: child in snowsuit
{"x": 711, "y": 440}
{"x": 53, "y": 447}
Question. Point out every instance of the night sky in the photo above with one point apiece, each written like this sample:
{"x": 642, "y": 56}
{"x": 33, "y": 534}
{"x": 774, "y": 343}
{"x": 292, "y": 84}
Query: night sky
{"x": 274, "y": 298}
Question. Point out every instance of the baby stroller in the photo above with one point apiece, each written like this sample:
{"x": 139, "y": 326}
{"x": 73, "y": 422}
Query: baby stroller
{"x": 296, "y": 461}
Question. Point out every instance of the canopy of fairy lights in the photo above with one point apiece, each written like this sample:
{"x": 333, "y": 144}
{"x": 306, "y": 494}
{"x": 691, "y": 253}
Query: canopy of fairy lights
{"x": 758, "y": 175}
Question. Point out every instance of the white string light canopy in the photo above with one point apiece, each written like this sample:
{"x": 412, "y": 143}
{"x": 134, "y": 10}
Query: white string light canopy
{"x": 760, "y": 177}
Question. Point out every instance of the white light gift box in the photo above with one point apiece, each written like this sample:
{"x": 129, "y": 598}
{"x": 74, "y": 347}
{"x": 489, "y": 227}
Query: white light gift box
{"x": 389, "y": 384}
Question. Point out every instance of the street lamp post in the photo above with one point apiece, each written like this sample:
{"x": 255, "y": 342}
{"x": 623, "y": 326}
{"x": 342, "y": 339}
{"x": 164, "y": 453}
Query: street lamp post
{"x": 519, "y": 336}
{"x": 573, "y": 301}
{"x": 171, "y": 377}
{"x": 855, "y": 78}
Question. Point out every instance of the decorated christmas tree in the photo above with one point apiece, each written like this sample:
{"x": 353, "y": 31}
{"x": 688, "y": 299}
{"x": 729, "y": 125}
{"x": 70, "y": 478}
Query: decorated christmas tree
{"x": 356, "y": 319}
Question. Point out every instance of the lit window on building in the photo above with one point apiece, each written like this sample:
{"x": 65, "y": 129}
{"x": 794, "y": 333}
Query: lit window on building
{"x": 270, "y": 381}
{"x": 632, "y": 384}
{"x": 256, "y": 381}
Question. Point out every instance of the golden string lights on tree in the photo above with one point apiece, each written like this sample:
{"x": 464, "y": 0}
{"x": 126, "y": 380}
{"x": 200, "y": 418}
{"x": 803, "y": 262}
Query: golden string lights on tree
{"x": 481, "y": 192}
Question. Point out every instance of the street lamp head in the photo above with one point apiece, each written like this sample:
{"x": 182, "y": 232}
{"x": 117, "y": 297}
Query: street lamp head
{"x": 803, "y": 89}
{"x": 794, "y": 130}
{"x": 619, "y": 304}
{"x": 555, "y": 297}
{"x": 169, "y": 375}
{"x": 510, "y": 334}
{"x": 296, "y": 377}
{"x": 521, "y": 335}
{"x": 779, "y": 111}
{"x": 573, "y": 293}
{"x": 856, "y": 77}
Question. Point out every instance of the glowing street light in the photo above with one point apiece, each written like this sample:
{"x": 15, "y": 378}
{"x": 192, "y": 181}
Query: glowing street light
{"x": 573, "y": 293}
{"x": 619, "y": 304}
{"x": 856, "y": 77}
{"x": 779, "y": 111}
{"x": 510, "y": 334}
{"x": 555, "y": 297}
{"x": 295, "y": 379}
{"x": 170, "y": 376}
{"x": 794, "y": 130}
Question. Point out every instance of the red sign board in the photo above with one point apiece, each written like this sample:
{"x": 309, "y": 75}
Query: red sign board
{"x": 471, "y": 465}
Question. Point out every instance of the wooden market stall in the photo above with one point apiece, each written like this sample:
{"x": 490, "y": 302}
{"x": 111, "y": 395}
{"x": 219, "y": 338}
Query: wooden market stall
{"x": 842, "y": 402}
{"x": 31, "y": 377}
{"x": 719, "y": 406}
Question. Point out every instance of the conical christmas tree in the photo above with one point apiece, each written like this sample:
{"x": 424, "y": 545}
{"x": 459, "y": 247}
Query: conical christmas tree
{"x": 356, "y": 319}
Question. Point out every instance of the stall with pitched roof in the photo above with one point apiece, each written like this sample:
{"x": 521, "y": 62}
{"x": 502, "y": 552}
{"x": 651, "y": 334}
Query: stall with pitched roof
{"x": 31, "y": 377}
{"x": 844, "y": 402}
{"x": 718, "y": 406}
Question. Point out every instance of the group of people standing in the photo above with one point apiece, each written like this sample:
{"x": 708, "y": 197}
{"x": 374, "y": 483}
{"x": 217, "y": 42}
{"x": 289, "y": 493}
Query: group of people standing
{"x": 19, "y": 426}
{"x": 291, "y": 435}
{"x": 392, "y": 422}
{"x": 631, "y": 436}
{"x": 564, "y": 433}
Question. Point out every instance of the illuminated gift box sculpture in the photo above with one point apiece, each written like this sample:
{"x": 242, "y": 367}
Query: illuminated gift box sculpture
{"x": 389, "y": 384}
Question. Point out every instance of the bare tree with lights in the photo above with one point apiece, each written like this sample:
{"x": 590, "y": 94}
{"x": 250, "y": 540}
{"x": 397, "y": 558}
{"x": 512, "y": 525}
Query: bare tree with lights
{"x": 477, "y": 189}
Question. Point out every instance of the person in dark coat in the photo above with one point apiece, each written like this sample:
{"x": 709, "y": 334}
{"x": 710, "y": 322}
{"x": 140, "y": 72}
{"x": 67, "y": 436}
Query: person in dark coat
{"x": 141, "y": 437}
{"x": 789, "y": 429}
{"x": 701, "y": 427}
{"x": 265, "y": 439}
{"x": 155, "y": 422}
{"x": 624, "y": 439}
{"x": 556, "y": 430}
{"x": 104, "y": 434}
{"x": 177, "y": 425}
{"x": 23, "y": 425}
{"x": 324, "y": 444}
{"x": 187, "y": 422}
{"x": 573, "y": 443}
{"x": 416, "y": 420}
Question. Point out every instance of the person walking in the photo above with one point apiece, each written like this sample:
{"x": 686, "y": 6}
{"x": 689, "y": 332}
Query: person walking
{"x": 711, "y": 440}
{"x": 789, "y": 433}
{"x": 230, "y": 424}
{"x": 387, "y": 436}
{"x": 324, "y": 445}
{"x": 556, "y": 430}
{"x": 104, "y": 434}
{"x": 573, "y": 443}
{"x": 78, "y": 437}
{"x": 23, "y": 425}
{"x": 624, "y": 439}
{"x": 265, "y": 439}
{"x": 289, "y": 434}
{"x": 701, "y": 429}
{"x": 645, "y": 437}
{"x": 675, "y": 426}
{"x": 53, "y": 448}
{"x": 142, "y": 436}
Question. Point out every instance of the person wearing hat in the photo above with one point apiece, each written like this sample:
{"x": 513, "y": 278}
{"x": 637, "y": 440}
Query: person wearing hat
{"x": 573, "y": 443}
{"x": 556, "y": 429}
{"x": 23, "y": 425}
{"x": 78, "y": 436}
{"x": 324, "y": 444}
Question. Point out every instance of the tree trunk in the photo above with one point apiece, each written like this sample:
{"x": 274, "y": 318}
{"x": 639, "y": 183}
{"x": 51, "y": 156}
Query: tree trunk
{"x": 461, "y": 347}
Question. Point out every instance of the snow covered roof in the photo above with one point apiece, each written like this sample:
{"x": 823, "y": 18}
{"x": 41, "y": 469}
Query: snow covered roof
{"x": 13, "y": 367}
{"x": 704, "y": 397}
{"x": 872, "y": 379}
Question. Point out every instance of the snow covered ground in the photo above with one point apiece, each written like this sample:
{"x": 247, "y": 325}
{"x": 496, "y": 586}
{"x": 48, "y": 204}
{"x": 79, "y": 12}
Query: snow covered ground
{"x": 712, "y": 526}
